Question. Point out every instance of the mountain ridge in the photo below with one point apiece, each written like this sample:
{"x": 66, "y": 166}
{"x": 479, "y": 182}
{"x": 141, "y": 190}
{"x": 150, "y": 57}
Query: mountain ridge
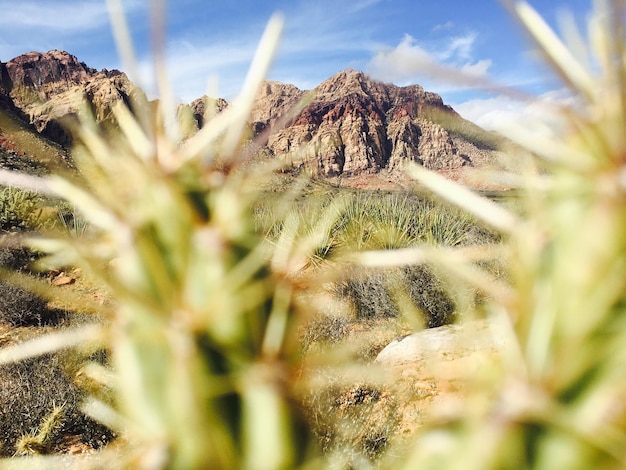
{"x": 351, "y": 125}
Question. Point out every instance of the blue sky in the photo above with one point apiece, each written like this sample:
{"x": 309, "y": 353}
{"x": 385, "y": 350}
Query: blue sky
{"x": 391, "y": 40}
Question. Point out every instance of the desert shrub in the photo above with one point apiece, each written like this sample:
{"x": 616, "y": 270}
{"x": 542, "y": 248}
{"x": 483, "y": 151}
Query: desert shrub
{"x": 21, "y": 307}
{"x": 353, "y": 423}
{"x": 20, "y": 210}
{"x": 29, "y": 392}
{"x": 324, "y": 329}
{"x": 17, "y": 258}
{"x": 377, "y": 293}
{"x": 429, "y": 295}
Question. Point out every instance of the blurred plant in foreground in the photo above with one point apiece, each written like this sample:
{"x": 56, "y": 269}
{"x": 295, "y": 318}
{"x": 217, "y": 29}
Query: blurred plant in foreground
{"x": 199, "y": 336}
{"x": 201, "y": 333}
{"x": 558, "y": 401}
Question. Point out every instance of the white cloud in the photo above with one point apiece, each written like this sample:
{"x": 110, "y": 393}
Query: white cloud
{"x": 403, "y": 62}
{"x": 477, "y": 69}
{"x": 460, "y": 47}
{"x": 448, "y": 25}
{"x": 410, "y": 62}
{"x": 501, "y": 112}
{"x": 57, "y": 16}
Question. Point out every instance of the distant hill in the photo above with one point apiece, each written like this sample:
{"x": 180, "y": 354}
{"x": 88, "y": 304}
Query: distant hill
{"x": 351, "y": 126}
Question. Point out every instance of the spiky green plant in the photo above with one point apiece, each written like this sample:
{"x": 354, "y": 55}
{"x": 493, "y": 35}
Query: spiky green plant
{"x": 557, "y": 401}
{"x": 20, "y": 210}
{"x": 41, "y": 443}
{"x": 199, "y": 335}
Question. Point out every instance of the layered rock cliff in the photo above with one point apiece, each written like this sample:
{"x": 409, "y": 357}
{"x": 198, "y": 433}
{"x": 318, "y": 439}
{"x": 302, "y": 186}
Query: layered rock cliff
{"x": 356, "y": 125}
{"x": 348, "y": 125}
{"x": 4, "y": 83}
{"x": 50, "y": 88}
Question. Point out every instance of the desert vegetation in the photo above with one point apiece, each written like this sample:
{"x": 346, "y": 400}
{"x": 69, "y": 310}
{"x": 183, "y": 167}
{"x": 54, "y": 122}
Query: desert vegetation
{"x": 216, "y": 324}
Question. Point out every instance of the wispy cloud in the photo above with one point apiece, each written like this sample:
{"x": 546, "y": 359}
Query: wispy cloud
{"x": 39, "y": 25}
{"x": 191, "y": 66}
{"x": 62, "y": 16}
{"x": 448, "y": 25}
{"x": 303, "y": 58}
{"x": 501, "y": 111}
{"x": 460, "y": 47}
{"x": 409, "y": 61}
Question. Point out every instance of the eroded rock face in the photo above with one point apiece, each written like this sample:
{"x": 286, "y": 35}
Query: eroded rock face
{"x": 50, "y": 88}
{"x": 46, "y": 73}
{"x": 349, "y": 125}
{"x": 6, "y": 103}
{"x": 356, "y": 125}
{"x": 4, "y": 79}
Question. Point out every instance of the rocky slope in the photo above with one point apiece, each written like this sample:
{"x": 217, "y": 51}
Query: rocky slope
{"x": 49, "y": 88}
{"x": 351, "y": 125}
{"x": 22, "y": 148}
{"x": 355, "y": 125}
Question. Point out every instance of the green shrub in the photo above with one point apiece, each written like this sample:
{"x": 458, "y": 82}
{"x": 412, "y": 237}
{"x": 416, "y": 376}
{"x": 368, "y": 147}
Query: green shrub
{"x": 20, "y": 211}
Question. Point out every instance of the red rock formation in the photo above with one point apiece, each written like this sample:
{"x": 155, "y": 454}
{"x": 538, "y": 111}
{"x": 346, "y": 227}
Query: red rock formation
{"x": 47, "y": 73}
{"x": 352, "y": 125}
{"x": 51, "y": 87}
{"x": 356, "y": 125}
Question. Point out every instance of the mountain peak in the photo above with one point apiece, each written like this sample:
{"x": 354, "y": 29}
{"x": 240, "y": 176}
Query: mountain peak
{"x": 347, "y": 81}
{"x": 43, "y": 71}
{"x": 49, "y": 86}
{"x": 353, "y": 124}
{"x": 358, "y": 125}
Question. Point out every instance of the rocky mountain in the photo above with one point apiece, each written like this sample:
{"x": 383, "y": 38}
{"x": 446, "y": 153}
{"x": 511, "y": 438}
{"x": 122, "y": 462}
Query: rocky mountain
{"x": 350, "y": 124}
{"x": 355, "y": 125}
{"x": 49, "y": 88}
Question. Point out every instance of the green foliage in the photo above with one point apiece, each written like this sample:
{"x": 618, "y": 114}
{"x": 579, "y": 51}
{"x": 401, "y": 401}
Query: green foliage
{"x": 69, "y": 221}
{"x": 20, "y": 211}
{"x": 387, "y": 221}
{"x": 374, "y": 220}
{"x": 368, "y": 220}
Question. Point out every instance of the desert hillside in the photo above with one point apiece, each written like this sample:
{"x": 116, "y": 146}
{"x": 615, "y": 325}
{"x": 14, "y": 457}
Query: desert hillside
{"x": 350, "y": 125}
